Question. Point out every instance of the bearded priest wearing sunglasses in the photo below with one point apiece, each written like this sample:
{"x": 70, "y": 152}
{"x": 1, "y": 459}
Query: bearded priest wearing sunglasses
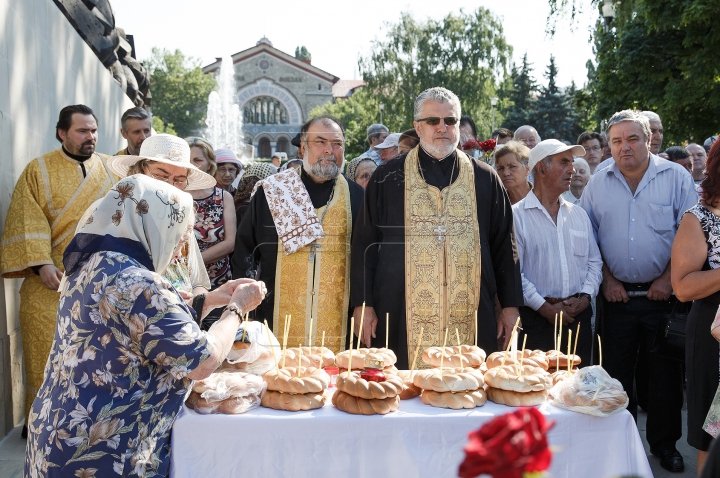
{"x": 434, "y": 243}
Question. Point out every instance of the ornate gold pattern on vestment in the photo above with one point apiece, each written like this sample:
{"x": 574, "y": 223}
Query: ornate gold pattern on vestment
{"x": 319, "y": 288}
{"x": 47, "y": 203}
{"x": 442, "y": 257}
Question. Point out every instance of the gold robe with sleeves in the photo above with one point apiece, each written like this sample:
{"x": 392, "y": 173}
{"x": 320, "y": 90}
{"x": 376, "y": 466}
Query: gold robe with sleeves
{"x": 49, "y": 198}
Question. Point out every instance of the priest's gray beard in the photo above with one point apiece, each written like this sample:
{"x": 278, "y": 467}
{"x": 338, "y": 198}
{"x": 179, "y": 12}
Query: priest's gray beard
{"x": 324, "y": 170}
{"x": 438, "y": 152}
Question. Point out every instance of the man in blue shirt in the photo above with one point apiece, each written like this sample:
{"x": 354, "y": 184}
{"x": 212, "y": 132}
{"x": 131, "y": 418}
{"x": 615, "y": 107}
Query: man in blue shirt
{"x": 635, "y": 205}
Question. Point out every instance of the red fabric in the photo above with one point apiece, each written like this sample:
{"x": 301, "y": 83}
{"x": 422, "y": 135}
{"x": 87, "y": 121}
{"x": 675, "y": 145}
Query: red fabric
{"x": 508, "y": 445}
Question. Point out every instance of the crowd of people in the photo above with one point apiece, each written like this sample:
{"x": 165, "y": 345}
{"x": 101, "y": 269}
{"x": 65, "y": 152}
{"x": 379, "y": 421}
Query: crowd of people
{"x": 139, "y": 266}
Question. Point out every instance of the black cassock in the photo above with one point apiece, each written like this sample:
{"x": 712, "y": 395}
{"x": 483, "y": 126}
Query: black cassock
{"x": 256, "y": 240}
{"x": 378, "y": 248}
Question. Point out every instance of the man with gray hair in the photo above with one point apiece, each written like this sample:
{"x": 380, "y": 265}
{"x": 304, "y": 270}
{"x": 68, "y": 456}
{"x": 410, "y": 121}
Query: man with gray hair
{"x": 527, "y": 135}
{"x": 635, "y": 205}
{"x": 656, "y": 131}
{"x": 699, "y": 159}
{"x": 429, "y": 220}
{"x": 135, "y": 127}
{"x": 295, "y": 235}
{"x": 376, "y": 134}
{"x": 559, "y": 258}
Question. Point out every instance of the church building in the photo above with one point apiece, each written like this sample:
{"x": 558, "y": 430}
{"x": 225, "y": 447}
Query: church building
{"x": 276, "y": 92}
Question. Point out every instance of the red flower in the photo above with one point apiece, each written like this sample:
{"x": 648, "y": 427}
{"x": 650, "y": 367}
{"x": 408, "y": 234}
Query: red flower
{"x": 488, "y": 145}
{"x": 470, "y": 144}
{"x": 508, "y": 445}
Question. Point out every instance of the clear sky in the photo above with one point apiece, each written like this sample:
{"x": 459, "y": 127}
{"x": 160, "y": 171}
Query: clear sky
{"x": 337, "y": 32}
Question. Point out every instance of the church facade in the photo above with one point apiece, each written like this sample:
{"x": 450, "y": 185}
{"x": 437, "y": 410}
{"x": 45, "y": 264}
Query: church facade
{"x": 275, "y": 93}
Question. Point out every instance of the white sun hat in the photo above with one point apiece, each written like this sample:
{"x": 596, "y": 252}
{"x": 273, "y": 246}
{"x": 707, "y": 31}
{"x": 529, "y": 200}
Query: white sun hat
{"x": 166, "y": 149}
{"x": 550, "y": 147}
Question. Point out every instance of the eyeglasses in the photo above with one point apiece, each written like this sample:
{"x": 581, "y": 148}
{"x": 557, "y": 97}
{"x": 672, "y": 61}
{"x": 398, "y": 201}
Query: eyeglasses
{"x": 335, "y": 145}
{"x": 592, "y": 148}
{"x": 434, "y": 120}
{"x": 165, "y": 179}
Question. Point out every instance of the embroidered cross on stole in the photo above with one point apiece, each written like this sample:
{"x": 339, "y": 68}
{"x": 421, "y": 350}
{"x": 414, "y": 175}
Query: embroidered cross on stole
{"x": 442, "y": 257}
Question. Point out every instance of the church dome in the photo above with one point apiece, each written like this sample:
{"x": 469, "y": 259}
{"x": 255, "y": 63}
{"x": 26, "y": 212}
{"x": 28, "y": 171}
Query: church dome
{"x": 264, "y": 40}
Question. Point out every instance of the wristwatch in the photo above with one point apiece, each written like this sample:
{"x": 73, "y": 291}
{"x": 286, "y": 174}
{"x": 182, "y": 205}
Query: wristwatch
{"x": 235, "y": 309}
{"x": 586, "y": 295}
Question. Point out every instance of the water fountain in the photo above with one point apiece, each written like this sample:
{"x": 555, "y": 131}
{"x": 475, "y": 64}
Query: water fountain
{"x": 224, "y": 118}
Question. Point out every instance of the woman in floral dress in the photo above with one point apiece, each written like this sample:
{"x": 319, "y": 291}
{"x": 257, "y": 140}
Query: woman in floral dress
{"x": 126, "y": 346}
{"x": 695, "y": 276}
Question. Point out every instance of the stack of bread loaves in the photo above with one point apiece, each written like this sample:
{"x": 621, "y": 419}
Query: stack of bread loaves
{"x": 454, "y": 388}
{"x": 295, "y": 388}
{"x": 226, "y": 392}
{"x": 518, "y": 379}
{"x": 363, "y": 397}
{"x": 459, "y": 356}
{"x": 252, "y": 350}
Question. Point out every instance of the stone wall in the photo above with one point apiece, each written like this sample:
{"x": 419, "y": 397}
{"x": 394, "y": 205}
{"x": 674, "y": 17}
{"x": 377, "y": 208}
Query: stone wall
{"x": 44, "y": 65}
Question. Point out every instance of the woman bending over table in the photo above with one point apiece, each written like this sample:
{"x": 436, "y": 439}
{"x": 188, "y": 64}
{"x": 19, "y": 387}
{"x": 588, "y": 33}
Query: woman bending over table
{"x": 126, "y": 346}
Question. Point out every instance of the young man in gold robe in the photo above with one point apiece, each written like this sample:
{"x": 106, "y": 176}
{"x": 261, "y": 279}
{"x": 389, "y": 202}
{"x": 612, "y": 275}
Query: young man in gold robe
{"x": 295, "y": 236}
{"x": 434, "y": 243}
{"x": 50, "y": 196}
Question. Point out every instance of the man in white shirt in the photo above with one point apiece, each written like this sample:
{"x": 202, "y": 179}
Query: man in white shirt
{"x": 560, "y": 262}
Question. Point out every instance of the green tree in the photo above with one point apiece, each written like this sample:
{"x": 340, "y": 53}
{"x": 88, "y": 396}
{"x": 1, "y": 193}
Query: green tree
{"x": 356, "y": 114}
{"x": 161, "y": 127}
{"x": 179, "y": 90}
{"x": 555, "y": 115}
{"x": 302, "y": 53}
{"x": 658, "y": 55}
{"x": 520, "y": 91}
{"x": 464, "y": 52}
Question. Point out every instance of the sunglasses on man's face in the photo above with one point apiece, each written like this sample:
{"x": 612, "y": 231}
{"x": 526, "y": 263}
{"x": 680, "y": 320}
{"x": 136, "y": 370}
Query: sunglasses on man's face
{"x": 434, "y": 120}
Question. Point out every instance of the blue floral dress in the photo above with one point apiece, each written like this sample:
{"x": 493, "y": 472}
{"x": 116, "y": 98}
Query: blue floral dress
{"x": 116, "y": 376}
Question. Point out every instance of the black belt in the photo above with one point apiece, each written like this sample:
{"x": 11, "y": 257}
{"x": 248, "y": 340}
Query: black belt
{"x": 637, "y": 286}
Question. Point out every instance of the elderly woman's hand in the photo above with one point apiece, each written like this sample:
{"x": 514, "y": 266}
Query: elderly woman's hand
{"x": 248, "y": 294}
{"x": 221, "y": 296}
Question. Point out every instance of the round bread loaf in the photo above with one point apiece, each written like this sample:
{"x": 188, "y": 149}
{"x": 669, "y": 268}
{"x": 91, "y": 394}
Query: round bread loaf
{"x": 192, "y": 400}
{"x": 313, "y": 380}
{"x": 237, "y": 351}
{"x": 535, "y": 358}
{"x": 608, "y": 400}
{"x": 516, "y": 399}
{"x": 386, "y": 355}
{"x": 361, "y": 406}
{"x": 450, "y": 380}
{"x": 234, "y": 405}
{"x": 456, "y": 356}
{"x": 292, "y": 402}
{"x": 410, "y": 390}
{"x": 456, "y": 401}
{"x": 232, "y": 367}
{"x": 353, "y": 385}
{"x": 318, "y": 357}
{"x": 560, "y": 375}
{"x": 532, "y": 379}
{"x": 559, "y": 360}
{"x": 204, "y": 407}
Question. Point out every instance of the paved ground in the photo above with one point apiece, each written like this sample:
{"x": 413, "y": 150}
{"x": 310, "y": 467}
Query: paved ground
{"x": 12, "y": 453}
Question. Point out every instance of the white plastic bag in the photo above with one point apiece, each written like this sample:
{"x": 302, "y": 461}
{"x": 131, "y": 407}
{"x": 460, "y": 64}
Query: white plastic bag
{"x": 227, "y": 392}
{"x": 254, "y": 348}
{"x": 590, "y": 390}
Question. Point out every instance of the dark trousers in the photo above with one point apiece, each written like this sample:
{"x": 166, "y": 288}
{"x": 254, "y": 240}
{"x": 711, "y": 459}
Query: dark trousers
{"x": 539, "y": 332}
{"x": 625, "y": 327}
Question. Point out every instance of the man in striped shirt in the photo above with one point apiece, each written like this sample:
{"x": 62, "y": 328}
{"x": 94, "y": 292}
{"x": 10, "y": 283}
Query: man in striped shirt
{"x": 560, "y": 261}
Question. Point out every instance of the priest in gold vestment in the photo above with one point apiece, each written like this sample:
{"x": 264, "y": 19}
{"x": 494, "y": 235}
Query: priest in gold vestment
{"x": 434, "y": 243}
{"x": 50, "y": 196}
{"x": 295, "y": 237}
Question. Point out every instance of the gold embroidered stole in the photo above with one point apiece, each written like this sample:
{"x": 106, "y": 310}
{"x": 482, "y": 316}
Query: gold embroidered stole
{"x": 318, "y": 289}
{"x": 49, "y": 198}
{"x": 442, "y": 277}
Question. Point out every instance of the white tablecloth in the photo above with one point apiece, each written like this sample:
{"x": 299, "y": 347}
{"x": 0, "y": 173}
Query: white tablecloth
{"x": 415, "y": 441}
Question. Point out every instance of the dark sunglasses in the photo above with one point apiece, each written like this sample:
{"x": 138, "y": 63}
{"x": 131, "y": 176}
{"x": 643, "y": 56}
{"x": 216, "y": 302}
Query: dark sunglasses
{"x": 434, "y": 120}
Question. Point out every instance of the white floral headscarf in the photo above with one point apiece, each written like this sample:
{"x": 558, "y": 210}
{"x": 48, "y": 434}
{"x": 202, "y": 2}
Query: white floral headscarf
{"x": 137, "y": 210}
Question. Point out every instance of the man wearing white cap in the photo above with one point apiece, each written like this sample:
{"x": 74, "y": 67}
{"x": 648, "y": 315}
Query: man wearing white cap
{"x": 388, "y": 148}
{"x": 560, "y": 261}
